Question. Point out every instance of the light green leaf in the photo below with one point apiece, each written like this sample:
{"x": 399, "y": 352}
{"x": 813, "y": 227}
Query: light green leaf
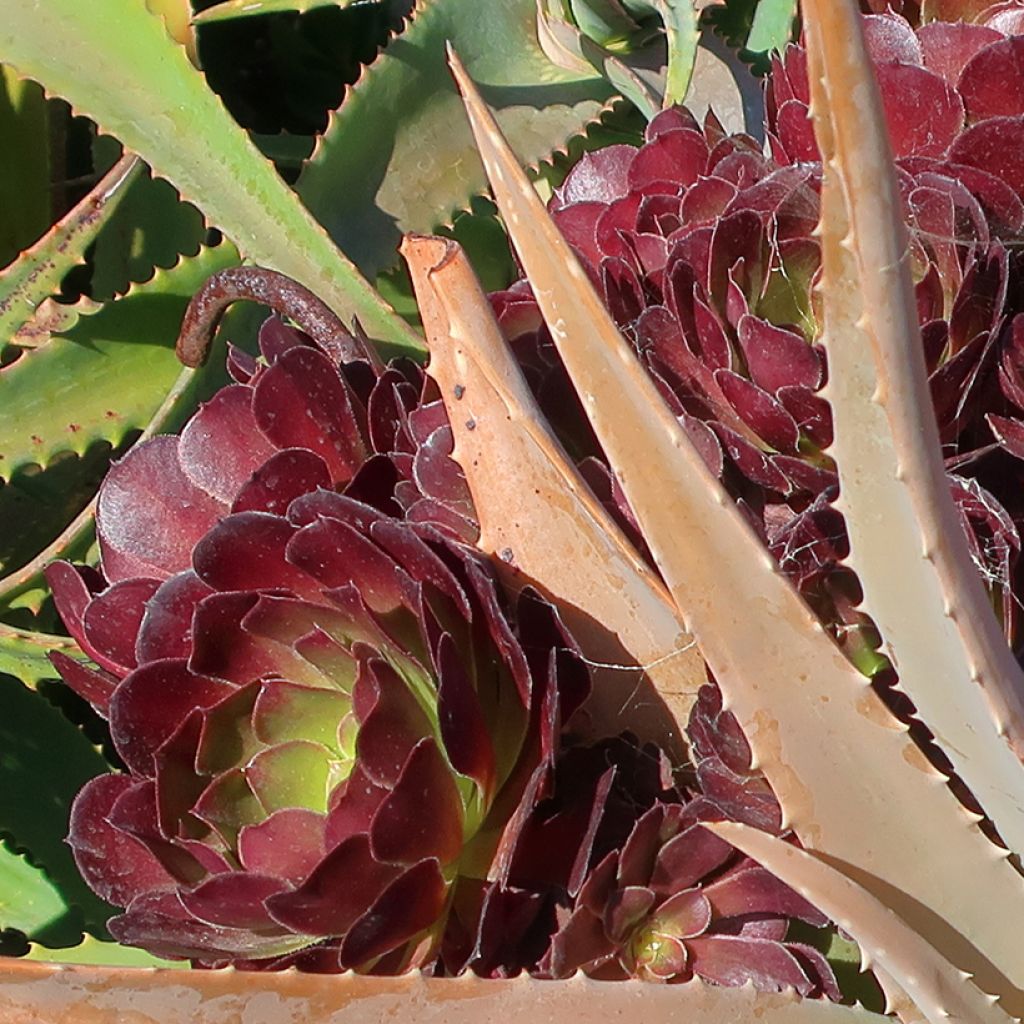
{"x": 150, "y": 228}
{"x": 37, "y": 272}
{"x": 25, "y": 168}
{"x": 398, "y": 157}
{"x": 102, "y": 954}
{"x": 23, "y": 653}
{"x": 50, "y": 396}
{"x": 251, "y": 8}
{"x": 29, "y": 901}
{"x": 682, "y": 35}
{"x": 773, "y": 25}
{"x": 25, "y": 586}
{"x": 114, "y": 62}
{"x": 44, "y": 761}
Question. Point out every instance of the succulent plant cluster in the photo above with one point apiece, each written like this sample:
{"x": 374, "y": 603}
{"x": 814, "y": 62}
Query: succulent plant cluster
{"x": 325, "y": 712}
{"x": 346, "y": 739}
{"x": 704, "y": 249}
{"x": 342, "y": 741}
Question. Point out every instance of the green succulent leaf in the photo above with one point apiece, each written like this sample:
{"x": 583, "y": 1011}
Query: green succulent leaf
{"x": 37, "y": 272}
{"x": 251, "y": 8}
{"x": 98, "y": 953}
{"x": 29, "y": 901}
{"x": 127, "y": 346}
{"x": 773, "y": 25}
{"x": 45, "y": 760}
{"x": 150, "y": 228}
{"x": 681, "y": 33}
{"x": 25, "y": 169}
{"x": 23, "y": 653}
{"x": 369, "y": 186}
{"x": 116, "y": 63}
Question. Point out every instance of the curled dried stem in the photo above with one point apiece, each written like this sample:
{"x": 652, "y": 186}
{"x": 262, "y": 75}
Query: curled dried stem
{"x": 277, "y": 292}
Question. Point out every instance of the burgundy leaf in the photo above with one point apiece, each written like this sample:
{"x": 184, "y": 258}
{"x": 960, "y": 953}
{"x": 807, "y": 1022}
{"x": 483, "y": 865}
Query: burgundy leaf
{"x": 116, "y": 865}
{"x": 177, "y": 513}
{"x": 221, "y": 446}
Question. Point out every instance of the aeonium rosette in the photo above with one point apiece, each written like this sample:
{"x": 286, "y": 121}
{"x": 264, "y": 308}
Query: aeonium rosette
{"x": 327, "y": 714}
{"x": 703, "y": 248}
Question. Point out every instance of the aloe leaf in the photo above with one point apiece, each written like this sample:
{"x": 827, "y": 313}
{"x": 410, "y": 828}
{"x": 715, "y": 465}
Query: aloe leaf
{"x": 934, "y": 985}
{"x": 177, "y": 17}
{"x": 906, "y": 542}
{"x": 29, "y": 901}
{"x": 98, "y": 953}
{"x": 397, "y": 157}
{"x": 46, "y": 760}
{"x": 25, "y": 169}
{"x": 231, "y": 9}
{"x": 38, "y": 271}
{"x": 25, "y": 587}
{"x": 116, "y": 63}
{"x": 150, "y": 228}
{"x": 51, "y": 317}
{"x": 772, "y": 27}
{"x": 63, "y": 994}
{"x": 682, "y": 35}
{"x": 50, "y": 399}
{"x": 23, "y": 653}
{"x": 849, "y": 780}
{"x": 561, "y": 539}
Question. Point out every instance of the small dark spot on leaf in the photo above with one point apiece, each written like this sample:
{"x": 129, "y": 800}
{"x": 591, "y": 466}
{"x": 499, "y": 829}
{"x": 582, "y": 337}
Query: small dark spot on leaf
{"x": 459, "y": 392}
{"x": 471, "y": 424}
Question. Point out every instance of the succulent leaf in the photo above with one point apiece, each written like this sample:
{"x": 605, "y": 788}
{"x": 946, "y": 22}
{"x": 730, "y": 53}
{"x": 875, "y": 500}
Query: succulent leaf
{"x": 368, "y": 187}
{"x": 906, "y": 543}
{"x": 174, "y": 997}
{"x": 937, "y": 988}
{"x": 558, "y": 538}
{"x": 37, "y": 272}
{"x": 119, "y": 66}
{"x": 838, "y": 719}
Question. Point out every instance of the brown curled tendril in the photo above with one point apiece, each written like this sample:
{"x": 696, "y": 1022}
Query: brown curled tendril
{"x": 277, "y": 292}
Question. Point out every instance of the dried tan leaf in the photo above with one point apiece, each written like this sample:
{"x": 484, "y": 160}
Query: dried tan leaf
{"x": 907, "y": 545}
{"x": 34, "y": 993}
{"x": 937, "y": 988}
{"x": 850, "y": 781}
{"x": 540, "y": 520}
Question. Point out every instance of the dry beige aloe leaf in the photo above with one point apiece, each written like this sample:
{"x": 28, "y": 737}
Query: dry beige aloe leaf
{"x": 33, "y": 993}
{"x": 539, "y": 518}
{"x": 851, "y": 783}
{"x": 936, "y": 987}
{"x": 907, "y": 545}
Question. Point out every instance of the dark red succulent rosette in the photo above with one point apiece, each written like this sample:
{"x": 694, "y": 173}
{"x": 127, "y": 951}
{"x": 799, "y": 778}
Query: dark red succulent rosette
{"x": 613, "y": 875}
{"x": 327, "y": 714}
{"x": 702, "y": 247}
